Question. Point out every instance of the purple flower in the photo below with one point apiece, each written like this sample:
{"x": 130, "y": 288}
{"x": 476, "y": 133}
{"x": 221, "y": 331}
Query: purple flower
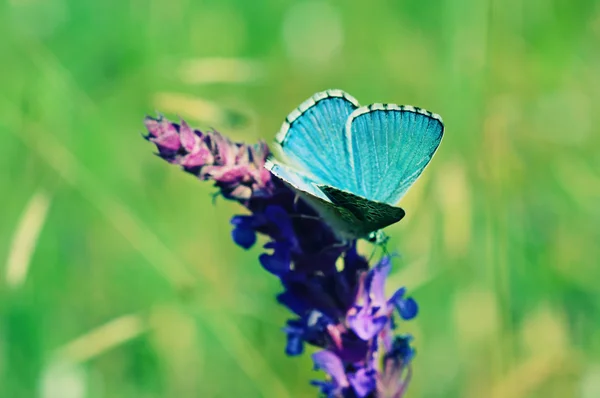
{"x": 363, "y": 381}
{"x": 342, "y": 310}
{"x": 280, "y": 260}
{"x": 364, "y": 327}
{"x": 397, "y": 372}
{"x": 371, "y": 310}
{"x": 345, "y": 381}
{"x": 295, "y": 331}
{"x": 406, "y": 307}
{"x": 237, "y": 169}
{"x": 339, "y": 384}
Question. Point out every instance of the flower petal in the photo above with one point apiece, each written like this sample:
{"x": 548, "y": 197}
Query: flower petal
{"x": 200, "y": 157}
{"x": 365, "y": 324}
{"x": 363, "y": 381}
{"x": 332, "y": 365}
{"x": 279, "y": 261}
{"x": 244, "y": 237}
{"x": 406, "y": 307}
{"x": 295, "y": 343}
{"x": 189, "y": 140}
{"x": 378, "y": 274}
{"x": 278, "y": 216}
{"x": 163, "y": 134}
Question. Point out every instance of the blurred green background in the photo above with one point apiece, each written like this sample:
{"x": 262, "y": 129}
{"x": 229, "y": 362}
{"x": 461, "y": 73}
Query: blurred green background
{"x": 119, "y": 278}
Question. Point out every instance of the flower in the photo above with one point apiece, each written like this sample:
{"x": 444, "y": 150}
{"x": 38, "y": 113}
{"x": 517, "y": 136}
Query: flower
{"x": 356, "y": 337}
{"x": 343, "y": 311}
{"x": 396, "y": 373}
{"x": 237, "y": 169}
{"x": 339, "y": 385}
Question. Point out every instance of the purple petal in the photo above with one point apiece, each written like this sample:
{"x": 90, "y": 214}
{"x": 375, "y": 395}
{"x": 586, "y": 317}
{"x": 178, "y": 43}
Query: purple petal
{"x": 224, "y": 149}
{"x": 246, "y": 221}
{"x": 293, "y": 302}
{"x": 278, "y": 216}
{"x": 332, "y": 365}
{"x": 363, "y": 382}
{"x": 327, "y": 388}
{"x": 295, "y": 343}
{"x": 262, "y": 177}
{"x": 243, "y": 155}
{"x": 364, "y": 324}
{"x": 225, "y": 174}
{"x": 235, "y": 192}
{"x": 406, "y": 307}
{"x": 244, "y": 231}
{"x": 401, "y": 352}
{"x": 279, "y": 262}
{"x": 259, "y": 152}
{"x": 189, "y": 140}
{"x": 164, "y": 134}
{"x": 198, "y": 158}
{"x": 377, "y": 281}
{"x": 244, "y": 237}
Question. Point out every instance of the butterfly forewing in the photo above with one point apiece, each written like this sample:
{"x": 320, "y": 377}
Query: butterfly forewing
{"x": 294, "y": 178}
{"x": 313, "y": 138}
{"x": 391, "y": 146}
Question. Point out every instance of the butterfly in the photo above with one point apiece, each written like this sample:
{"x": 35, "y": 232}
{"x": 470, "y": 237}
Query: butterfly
{"x": 353, "y": 163}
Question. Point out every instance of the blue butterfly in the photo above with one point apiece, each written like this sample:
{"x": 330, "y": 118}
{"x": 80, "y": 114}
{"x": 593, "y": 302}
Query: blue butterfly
{"x": 353, "y": 163}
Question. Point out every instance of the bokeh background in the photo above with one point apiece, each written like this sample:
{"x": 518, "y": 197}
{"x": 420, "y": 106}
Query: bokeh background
{"x": 118, "y": 277}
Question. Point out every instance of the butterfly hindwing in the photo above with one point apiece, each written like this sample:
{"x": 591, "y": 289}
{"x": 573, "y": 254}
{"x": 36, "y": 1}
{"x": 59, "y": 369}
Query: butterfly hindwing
{"x": 312, "y": 138}
{"x": 368, "y": 214}
{"x": 391, "y": 146}
{"x": 338, "y": 217}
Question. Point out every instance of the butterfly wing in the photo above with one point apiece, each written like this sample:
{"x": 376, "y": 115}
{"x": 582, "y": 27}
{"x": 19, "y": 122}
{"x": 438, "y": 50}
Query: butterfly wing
{"x": 295, "y": 179}
{"x": 351, "y": 216}
{"x": 356, "y": 162}
{"x": 367, "y": 215}
{"x": 390, "y": 147}
{"x": 312, "y": 138}
{"x": 342, "y": 221}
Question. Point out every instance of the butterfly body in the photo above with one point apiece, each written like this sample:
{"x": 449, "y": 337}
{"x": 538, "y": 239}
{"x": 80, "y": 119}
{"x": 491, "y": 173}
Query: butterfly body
{"x": 352, "y": 163}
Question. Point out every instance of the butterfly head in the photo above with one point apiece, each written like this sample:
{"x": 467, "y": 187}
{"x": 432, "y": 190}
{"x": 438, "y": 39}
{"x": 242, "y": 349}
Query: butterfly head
{"x": 378, "y": 237}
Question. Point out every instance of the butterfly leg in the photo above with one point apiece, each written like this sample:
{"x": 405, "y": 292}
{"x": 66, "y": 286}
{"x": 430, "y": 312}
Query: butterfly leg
{"x": 296, "y": 200}
{"x": 306, "y": 217}
{"x": 372, "y": 253}
{"x": 335, "y": 246}
{"x": 385, "y": 252}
